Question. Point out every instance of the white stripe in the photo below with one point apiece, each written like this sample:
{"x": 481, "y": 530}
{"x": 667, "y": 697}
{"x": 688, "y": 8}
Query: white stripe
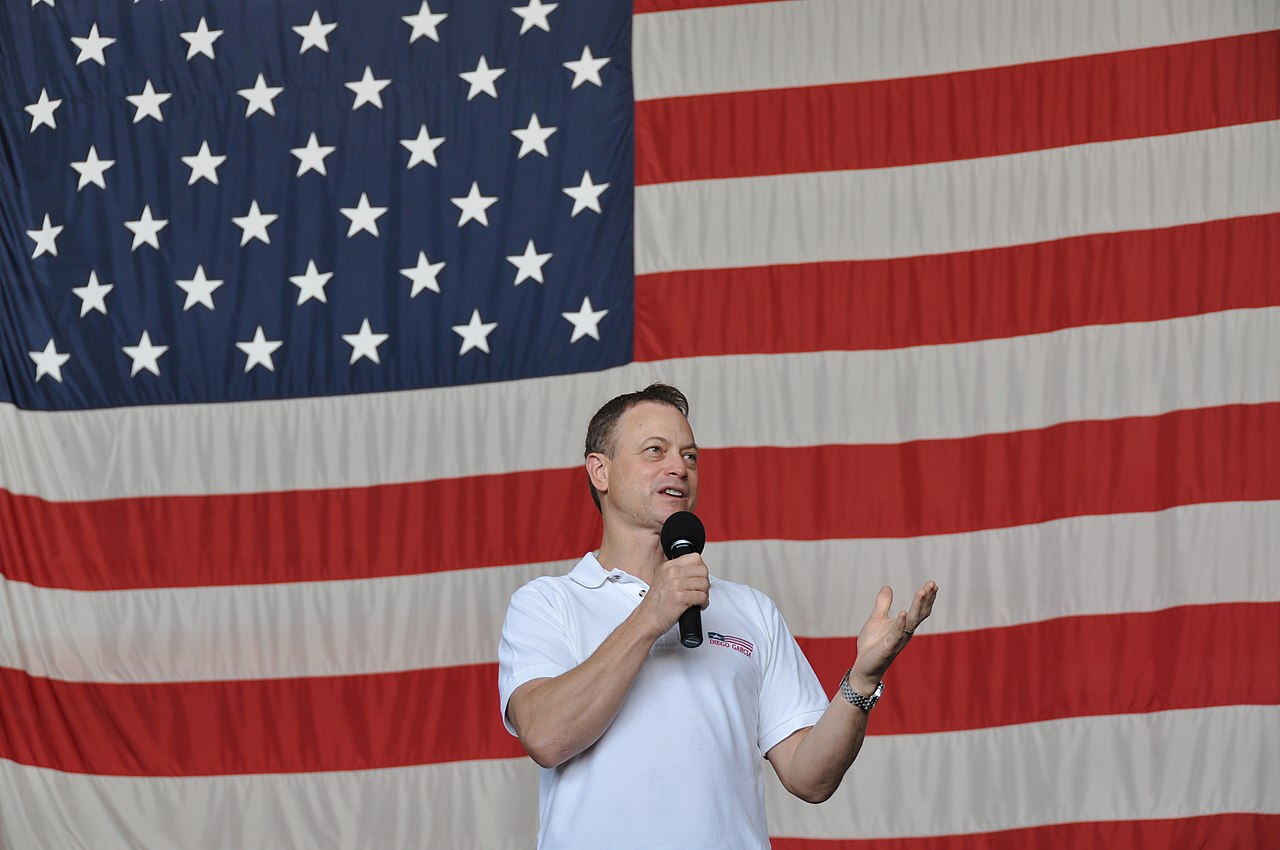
{"x": 1173, "y": 764}
{"x": 269, "y": 631}
{"x": 929, "y": 392}
{"x": 1111, "y": 564}
{"x": 474, "y": 805}
{"x": 1193, "y": 555}
{"x": 740, "y": 48}
{"x": 963, "y": 205}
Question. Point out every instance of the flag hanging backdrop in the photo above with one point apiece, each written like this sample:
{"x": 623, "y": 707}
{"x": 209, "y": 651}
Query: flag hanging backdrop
{"x": 304, "y": 308}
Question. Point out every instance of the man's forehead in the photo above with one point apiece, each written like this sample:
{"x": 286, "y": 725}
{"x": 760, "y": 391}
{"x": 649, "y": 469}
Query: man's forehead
{"x": 654, "y": 419}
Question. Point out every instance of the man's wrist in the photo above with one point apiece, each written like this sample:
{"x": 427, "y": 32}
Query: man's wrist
{"x": 860, "y": 684}
{"x": 866, "y": 702}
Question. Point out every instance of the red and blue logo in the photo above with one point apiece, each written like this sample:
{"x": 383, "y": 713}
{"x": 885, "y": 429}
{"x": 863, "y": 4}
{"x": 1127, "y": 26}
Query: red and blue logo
{"x": 734, "y": 643}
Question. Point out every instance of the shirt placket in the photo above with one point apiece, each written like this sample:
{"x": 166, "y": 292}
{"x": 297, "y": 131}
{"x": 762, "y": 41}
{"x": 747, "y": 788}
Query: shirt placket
{"x": 632, "y": 588}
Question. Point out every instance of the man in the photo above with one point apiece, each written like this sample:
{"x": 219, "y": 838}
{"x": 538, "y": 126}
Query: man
{"x": 646, "y": 744}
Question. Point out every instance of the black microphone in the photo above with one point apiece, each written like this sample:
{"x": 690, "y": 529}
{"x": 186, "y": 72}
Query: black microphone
{"x": 683, "y": 533}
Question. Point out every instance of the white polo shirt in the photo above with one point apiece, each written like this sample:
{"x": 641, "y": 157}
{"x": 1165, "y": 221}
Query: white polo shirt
{"x": 681, "y": 765}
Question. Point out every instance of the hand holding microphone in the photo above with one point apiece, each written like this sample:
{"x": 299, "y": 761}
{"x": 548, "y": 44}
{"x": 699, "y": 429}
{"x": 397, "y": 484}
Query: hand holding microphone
{"x": 682, "y": 534}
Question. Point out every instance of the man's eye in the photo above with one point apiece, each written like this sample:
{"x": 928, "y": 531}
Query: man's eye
{"x": 692, "y": 458}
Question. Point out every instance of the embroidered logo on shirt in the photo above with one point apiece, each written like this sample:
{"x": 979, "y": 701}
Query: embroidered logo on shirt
{"x": 735, "y": 643}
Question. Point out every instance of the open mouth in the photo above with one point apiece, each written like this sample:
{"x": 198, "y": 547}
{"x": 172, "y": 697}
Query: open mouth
{"x": 673, "y": 492}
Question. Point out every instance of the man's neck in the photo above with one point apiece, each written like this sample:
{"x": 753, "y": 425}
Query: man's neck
{"x": 634, "y": 551}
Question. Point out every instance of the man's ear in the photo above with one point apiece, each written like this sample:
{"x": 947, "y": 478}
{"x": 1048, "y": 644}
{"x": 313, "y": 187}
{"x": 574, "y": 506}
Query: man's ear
{"x": 598, "y": 471}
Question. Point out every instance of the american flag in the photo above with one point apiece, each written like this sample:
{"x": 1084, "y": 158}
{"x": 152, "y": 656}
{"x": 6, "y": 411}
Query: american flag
{"x": 734, "y": 643}
{"x": 304, "y": 308}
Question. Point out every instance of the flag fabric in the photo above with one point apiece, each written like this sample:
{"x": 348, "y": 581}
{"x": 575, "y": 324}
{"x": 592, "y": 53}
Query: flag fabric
{"x": 304, "y": 309}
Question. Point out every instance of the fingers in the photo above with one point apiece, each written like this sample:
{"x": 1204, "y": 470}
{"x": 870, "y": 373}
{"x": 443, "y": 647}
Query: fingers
{"x": 921, "y": 606}
{"x": 687, "y": 576}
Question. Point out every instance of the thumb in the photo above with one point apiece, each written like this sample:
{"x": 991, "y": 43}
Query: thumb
{"x": 884, "y": 601}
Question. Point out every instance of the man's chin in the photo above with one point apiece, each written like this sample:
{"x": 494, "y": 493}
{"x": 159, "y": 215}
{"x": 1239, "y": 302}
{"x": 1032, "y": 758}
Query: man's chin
{"x": 672, "y": 506}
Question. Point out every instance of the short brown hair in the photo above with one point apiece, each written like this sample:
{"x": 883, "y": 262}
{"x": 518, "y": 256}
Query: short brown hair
{"x": 600, "y": 430}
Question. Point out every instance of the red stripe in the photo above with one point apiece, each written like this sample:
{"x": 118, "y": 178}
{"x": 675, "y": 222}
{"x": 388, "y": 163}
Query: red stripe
{"x": 1231, "y": 831}
{"x": 1212, "y": 454}
{"x": 901, "y": 490}
{"x": 1080, "y": 666}
{"x": 1227, "y": 654}
{"x": 961, "y": 115}
{"x": 1133, "y": 276}
{"x": 258, "y": 726}
{"x": 642, "y": 7}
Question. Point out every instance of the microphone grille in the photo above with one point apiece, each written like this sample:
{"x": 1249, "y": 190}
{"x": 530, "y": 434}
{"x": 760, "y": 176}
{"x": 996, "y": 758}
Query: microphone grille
{"x": 683, "y": 527}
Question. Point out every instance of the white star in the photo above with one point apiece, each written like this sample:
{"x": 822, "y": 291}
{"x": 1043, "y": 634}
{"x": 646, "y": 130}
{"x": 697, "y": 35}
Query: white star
{"x": 200, "y": 40}
{"x": 586, "y": 69}
{"x": 145, "y": 355}
{"x": 93, "y": 295}
{"x": 315, "y": 33}
{"x": 586, "y": 322}
{"x": 259, "y": 350}
{"x": 423, "y": 275}
{"x": 311, "y": 158}
{"x": 482, "y": 79}
{"x": 473, "y": 206}
{"x": 529, "y": 264}
{"x": 199, "y": 289}
{"x": 423, "y": 148}
{"x": 146, "y": 229}
{"x": 534, "y": 14}
{"x": 148, "y": 103}
{"x": 46, "y": 238}
{"x": 586, "y": 195}
{"x": 363, "y": 216}
{"x": 365, "y": 343}
{"x": 475, "y": 334}
{"x": 204, "y": 165}
{"x": 424, "y": 23}
{"x": 50, "y": 361}
{"x": 260, "y": 97}
{"x": 367, "y": 89}
{"x": 253, "y": 224}
{"x": 34, "y": 2}
{"x": 92, "y": 170}
{"x": 533, "y": 138}
{"x": 92, "y": 46}
{"x": 312, "y": 284}
{"x": 42, "y": 111}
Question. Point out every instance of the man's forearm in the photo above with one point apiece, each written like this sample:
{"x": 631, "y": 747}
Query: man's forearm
{"x": 560, "y": 717}
{"x": 814, "y": 766}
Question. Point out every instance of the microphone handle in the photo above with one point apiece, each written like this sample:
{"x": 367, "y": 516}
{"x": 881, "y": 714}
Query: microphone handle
{"x": 691, "y": 627}
{"x": 691, "y": 619}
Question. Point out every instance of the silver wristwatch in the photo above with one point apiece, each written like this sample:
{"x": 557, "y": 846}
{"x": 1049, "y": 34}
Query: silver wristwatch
{"x": 865, "y": 703}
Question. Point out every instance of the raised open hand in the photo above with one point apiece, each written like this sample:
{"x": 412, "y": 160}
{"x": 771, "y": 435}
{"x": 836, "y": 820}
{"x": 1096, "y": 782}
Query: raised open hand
{"x": 883, "y": 637}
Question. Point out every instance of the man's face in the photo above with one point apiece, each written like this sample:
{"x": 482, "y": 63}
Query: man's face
{"x": 654, "y": 469}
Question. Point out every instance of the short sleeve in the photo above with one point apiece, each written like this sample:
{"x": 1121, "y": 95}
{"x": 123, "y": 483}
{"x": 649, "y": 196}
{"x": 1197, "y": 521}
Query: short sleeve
{"x": 791, "y": 697}
{"x": 534, "y": 644}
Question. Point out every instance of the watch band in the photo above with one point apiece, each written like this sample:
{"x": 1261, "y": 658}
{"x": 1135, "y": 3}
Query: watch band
{"x": 857, "y": 699}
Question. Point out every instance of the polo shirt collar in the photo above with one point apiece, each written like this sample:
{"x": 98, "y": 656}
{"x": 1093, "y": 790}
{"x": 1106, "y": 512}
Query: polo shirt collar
{"x": 591, "y": 573}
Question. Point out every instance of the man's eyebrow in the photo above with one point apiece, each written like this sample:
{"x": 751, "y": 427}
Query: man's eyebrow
{"x": 666, "y": 442}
